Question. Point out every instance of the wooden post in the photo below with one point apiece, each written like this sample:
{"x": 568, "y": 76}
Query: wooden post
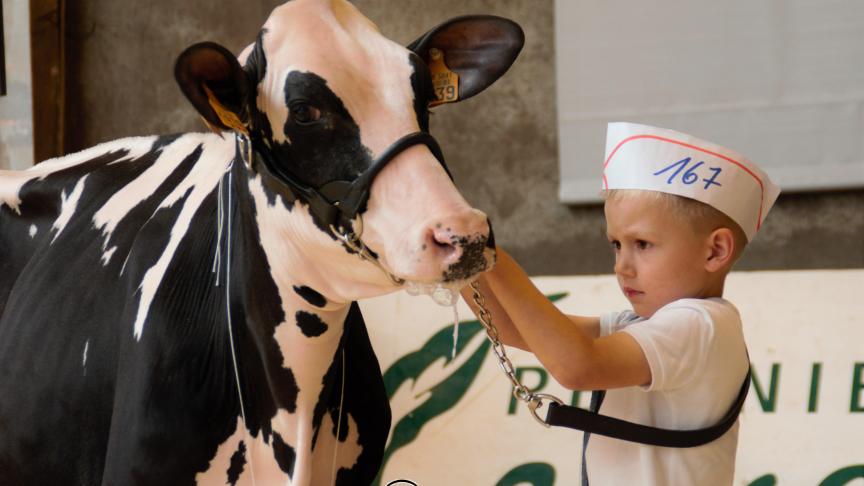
{"x": 2, "y": 54}
{"x": 47, "y": 42}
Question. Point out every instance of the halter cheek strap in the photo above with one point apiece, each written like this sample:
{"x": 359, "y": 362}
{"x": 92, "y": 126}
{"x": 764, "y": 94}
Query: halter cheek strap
{"x": 338, "y": 203}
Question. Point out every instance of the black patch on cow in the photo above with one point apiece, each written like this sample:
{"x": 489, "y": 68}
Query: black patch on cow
{"x": 328, "y": 149}
{"x": 68, "y": 300}
{"x": 310, "y": 324}
{"x": 472, "y": 261}
{"x": 421, "y": 83}
{"x": 262, "y": 312}
{"x": 256, "y": 68}
{"x": 365, "y": 399}
{"x": 143, "y": 234}
{"x": 285, "y": 455}
{"x": 238, "y": 462}
{"x": 177, "y": 394}
{"x": 40, "y": 205}
{"x": 490, "y": 241}
{"x": 311, "y": 295}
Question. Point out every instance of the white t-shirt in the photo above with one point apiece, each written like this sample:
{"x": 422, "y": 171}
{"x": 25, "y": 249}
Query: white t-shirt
{"x": 695, "y": 348}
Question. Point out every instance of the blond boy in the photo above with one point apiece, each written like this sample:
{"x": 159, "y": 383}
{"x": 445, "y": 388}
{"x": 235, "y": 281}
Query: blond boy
{"x": 679, "y": 212}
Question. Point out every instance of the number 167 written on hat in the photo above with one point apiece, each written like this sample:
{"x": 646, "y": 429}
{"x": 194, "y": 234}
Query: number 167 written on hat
{"x": 690, "y": 176}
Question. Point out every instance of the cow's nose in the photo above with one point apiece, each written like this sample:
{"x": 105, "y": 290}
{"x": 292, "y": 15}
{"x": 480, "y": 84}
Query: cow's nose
{"x": 445, "y": 245}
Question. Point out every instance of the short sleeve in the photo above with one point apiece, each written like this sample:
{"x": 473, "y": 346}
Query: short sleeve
{"x": 676, "y": 341}
{"x": 615, "y": 321}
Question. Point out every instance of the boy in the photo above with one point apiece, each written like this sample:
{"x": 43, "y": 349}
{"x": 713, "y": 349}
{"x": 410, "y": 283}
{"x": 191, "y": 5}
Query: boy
{"x": 679, "y": 212}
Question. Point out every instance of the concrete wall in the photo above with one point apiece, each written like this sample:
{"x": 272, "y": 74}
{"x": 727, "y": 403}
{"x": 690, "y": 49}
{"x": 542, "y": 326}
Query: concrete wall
{"x": 501, "y": 146}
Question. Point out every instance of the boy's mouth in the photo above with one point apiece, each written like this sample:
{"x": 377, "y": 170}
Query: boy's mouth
{"x": 630, "y": 292}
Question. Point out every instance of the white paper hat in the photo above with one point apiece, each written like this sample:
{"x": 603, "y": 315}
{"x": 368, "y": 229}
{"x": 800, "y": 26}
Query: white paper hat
{"x": 656, "y": 159}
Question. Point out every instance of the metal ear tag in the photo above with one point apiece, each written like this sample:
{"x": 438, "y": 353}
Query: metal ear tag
{"x": 444, "y": 81}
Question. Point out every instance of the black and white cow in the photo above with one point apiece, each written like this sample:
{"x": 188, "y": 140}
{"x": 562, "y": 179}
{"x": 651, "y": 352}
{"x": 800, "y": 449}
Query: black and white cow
{"x": 180, "y": 309}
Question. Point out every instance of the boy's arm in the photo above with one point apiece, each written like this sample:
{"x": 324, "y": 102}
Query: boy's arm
{"x": 573, "y": 354}
{"x": 507, "y": 332}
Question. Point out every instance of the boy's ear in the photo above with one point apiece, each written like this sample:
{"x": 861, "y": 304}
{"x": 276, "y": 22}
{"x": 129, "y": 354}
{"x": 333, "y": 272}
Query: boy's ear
{"x": 478, "y": 49}
{"x": 213, "y": 81}
{"x": 721, "y": 249}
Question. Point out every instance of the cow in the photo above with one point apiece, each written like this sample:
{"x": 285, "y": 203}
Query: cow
{"x": 181, "y": 309}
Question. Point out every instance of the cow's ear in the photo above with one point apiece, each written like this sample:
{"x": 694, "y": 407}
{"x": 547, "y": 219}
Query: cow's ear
{"x": 478, "y": 49}
{"x": 210, "y": 76}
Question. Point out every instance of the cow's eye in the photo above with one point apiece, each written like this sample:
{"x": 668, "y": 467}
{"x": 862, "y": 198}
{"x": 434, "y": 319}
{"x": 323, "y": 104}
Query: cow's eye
{"x": 303, "y": 113}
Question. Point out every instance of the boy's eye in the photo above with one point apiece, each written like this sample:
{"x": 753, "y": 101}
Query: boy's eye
{"x": 642, "y": 244}
{"x": 615, "y": 244}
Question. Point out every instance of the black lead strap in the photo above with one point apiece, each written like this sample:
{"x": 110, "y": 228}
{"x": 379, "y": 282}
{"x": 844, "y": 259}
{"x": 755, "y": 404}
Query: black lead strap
{"x": 594, "y": 423}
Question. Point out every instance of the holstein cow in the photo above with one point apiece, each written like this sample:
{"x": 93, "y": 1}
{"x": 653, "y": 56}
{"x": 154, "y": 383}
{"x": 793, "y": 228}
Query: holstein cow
{"x": 180, "y": 309}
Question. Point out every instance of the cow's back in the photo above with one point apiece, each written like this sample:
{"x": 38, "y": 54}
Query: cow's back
{"x": 78, "y": 236}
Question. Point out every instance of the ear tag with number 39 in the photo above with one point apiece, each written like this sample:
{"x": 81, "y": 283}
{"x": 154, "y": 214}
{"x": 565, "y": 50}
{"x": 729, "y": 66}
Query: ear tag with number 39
{"x": 444, "y": 81}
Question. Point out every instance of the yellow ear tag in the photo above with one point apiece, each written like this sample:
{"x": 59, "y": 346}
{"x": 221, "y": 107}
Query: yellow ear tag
{"x": 445, "y": 81}
{"x": 228, "y": 118}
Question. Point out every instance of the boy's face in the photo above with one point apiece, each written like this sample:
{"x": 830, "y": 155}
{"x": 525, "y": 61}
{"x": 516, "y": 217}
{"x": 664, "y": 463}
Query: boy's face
{"x": 658, "y": 259}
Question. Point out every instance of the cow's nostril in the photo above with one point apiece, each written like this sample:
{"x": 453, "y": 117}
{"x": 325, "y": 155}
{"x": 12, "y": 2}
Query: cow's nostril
{"x": 442, "y": 243}
{"x": 441, "y": 240}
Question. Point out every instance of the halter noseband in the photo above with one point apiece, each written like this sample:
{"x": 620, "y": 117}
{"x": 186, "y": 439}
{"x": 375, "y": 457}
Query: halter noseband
{"x": 338, "y": 203}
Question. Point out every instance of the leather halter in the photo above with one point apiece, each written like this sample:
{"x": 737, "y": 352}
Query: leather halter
{"x": 338, "y": 203}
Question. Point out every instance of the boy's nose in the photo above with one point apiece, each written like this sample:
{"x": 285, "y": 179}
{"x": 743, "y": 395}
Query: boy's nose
{"x": 623, "y": 265}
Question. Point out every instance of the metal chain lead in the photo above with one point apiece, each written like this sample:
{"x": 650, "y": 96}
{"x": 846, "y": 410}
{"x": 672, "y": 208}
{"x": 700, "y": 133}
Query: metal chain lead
{"x": 520, "y": 391}
{"x": 352, "y": 240}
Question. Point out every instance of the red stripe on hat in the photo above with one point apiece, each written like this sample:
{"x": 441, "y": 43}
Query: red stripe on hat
{"x": 663, "y": 139}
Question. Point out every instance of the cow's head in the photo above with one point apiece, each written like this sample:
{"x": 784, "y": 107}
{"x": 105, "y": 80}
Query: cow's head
{"x": 324, "y": 96}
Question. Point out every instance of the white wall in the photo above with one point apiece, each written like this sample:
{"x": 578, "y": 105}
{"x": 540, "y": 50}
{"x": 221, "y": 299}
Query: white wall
{"x": 780, "y": 81}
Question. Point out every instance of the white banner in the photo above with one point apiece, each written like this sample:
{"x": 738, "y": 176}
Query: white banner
{"x": 455, "y": 423}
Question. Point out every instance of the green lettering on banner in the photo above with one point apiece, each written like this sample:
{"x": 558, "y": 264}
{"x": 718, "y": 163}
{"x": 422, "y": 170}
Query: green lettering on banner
{"x": 533, "y": 473}
{"x": 574, "y": 401}
{"x": 857, "y": 387}
{"x": 815, "y": 377}
{"x": 766, "y": 480}
{"x": 769, "y": 404}
{"x": 544, "y": 378}
{"x": 845, "y": 475}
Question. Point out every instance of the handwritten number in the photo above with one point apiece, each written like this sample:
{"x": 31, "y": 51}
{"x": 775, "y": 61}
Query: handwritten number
{"x": 681, "y": 164}
{"x": 710, "y": 181}
{"x": 690, "y": 176}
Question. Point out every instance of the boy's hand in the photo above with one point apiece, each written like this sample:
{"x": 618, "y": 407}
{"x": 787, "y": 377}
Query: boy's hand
{"x": 567, "y": 346}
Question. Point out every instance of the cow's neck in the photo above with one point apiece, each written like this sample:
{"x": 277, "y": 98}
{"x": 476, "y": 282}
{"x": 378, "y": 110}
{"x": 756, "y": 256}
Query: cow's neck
{"x": 284, "y": 304}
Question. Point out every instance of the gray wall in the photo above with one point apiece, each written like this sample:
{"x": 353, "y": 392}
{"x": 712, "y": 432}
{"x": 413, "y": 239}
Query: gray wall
{"x": 501, "y": 146}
